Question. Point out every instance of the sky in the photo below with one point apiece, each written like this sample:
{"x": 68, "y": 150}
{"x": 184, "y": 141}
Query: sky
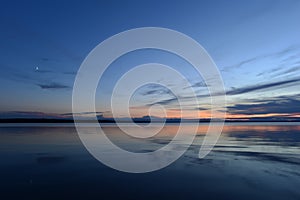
{"x": 254, "y": 43}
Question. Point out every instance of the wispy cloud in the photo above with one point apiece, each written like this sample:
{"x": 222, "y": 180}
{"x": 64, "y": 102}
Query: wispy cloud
{"x": 81, "y": 113}
{"x": 164, "y": 102}
{"x": 253, "y": 88}
{"x": 156, "y": 90}
{"x": 70, "y": 73}
{"x": 260, "y": 87}
{"x": 234, "y": 91}
{"x": 269, "y": 71}
{"x": 34, "y": 77}
{"x": 244, "y": 62}
{"x": 160, "y": 91}
{"x": 282, "y": 105}
{"x": 199, "y": 84}
{"x": 53, "y": 86}
{"x": 28, "y": 114}
{"x": 43, "y": 71}
{"x": 284, "y": 54}
{"x": 285, "y": 71}
{"x": 33, "y": 114}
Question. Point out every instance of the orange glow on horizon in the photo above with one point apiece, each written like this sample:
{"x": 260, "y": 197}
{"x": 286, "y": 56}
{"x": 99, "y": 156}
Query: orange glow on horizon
{"x": 137, "y": 112}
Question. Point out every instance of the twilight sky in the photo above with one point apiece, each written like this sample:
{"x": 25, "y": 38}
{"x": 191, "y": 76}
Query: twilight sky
{"x": 254, "y": 43}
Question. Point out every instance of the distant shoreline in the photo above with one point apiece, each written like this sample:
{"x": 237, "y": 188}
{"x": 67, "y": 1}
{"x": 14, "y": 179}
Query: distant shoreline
{"x": 45, "y": 120}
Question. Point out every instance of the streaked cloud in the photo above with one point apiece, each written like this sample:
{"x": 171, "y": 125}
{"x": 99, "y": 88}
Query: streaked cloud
{"x": 28, "y": 114}
{"x": 285, "y": 55}
{"x": 53, "y": 86}
{"x": 260, "y": 87}
{"x": 276, "y": 106}
{"x": 233, "y": 92}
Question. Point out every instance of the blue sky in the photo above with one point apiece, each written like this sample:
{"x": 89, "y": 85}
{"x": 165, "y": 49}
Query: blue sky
{"x": 255, "y": 44}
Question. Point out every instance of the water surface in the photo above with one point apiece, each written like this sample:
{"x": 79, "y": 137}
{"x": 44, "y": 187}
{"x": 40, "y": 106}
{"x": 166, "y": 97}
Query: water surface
{"x": 250, "y": 161}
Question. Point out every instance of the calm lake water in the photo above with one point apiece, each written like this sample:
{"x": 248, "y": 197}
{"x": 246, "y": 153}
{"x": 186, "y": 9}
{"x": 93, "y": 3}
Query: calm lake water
{"x": 250, "y": 161}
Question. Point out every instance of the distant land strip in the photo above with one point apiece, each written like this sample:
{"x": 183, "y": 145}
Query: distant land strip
{"x": 137, "y": 120}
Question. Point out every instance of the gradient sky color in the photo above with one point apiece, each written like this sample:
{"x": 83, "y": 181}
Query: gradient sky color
{"x": 255, "y": 44}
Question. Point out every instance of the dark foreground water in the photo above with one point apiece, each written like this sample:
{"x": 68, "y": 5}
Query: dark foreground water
{"x": 250, "y": 161}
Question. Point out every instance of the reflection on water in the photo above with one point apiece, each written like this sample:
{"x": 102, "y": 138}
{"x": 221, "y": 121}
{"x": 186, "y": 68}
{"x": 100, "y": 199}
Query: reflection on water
{"x": 250, "y": 161}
